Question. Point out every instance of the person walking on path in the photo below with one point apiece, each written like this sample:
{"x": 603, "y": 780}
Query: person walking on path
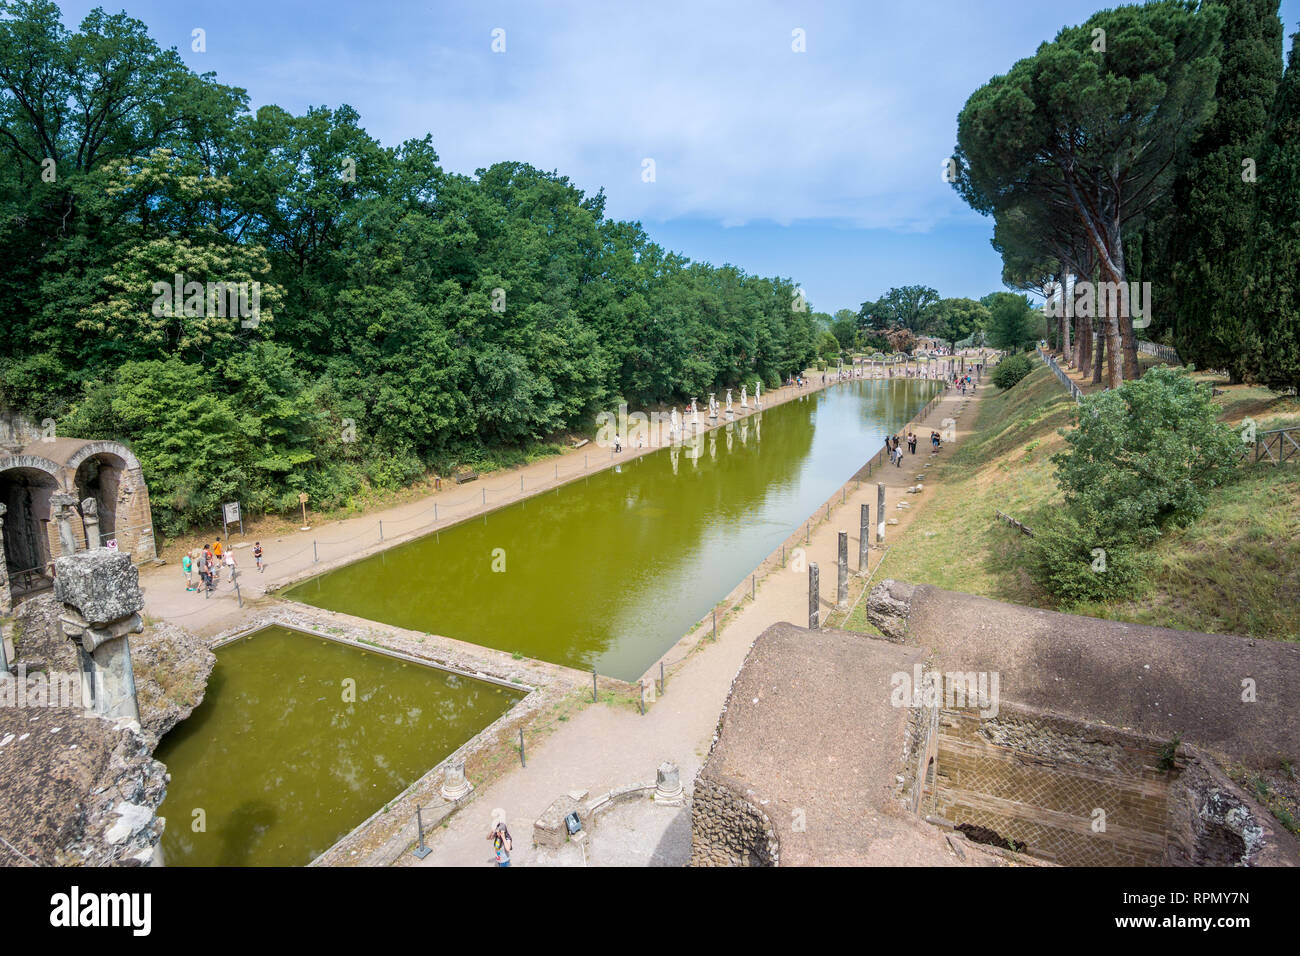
{"x": 230, "y": 563}
{"x": 257, "y": 556}
{"x": 187, "y": 569}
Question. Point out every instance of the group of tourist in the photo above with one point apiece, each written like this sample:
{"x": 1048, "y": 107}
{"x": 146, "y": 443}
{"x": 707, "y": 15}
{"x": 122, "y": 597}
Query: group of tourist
{"x": 207, "y": 562}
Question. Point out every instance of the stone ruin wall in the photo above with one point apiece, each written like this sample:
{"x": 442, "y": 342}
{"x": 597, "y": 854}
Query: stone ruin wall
{"x": 729, "y": 830}
{"x": 1039, "y": 778}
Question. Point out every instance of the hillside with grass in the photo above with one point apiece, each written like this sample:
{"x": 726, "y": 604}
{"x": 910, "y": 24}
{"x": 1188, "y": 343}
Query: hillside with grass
{"x": 1236, "y": 569}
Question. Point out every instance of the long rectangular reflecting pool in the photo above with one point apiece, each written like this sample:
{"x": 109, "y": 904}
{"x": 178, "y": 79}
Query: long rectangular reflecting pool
{"x": 610, "y": 571}
{"x": 300, "y": 738}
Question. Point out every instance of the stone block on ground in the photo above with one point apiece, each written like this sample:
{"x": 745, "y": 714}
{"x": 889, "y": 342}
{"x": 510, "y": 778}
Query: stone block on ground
{"x": 549, "y": 829}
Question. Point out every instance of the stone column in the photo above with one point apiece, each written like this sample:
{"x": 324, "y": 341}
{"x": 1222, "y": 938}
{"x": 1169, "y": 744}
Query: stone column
{"x": 880, "y": 512}
{"x": 90, "y": 515}
{"x": 668, "y": 785}
{"x": 814, "y": 589}
{"x": 100, "y": 594}
{"x": 842, "y": 580}
{"x": 454, "y": 784}
{"x": 62, "y": 508}
{"x": 6, "y": 600}
{"x": 864, "y": 538}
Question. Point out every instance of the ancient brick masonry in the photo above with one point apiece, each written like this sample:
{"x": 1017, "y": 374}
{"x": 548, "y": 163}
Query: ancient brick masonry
{"x": 61, "y": 496}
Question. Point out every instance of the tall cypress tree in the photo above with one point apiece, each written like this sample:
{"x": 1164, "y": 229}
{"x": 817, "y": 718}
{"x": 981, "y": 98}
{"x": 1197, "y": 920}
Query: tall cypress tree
{"x": 1214, "y": 197}
{"x": 1273, "y": 294}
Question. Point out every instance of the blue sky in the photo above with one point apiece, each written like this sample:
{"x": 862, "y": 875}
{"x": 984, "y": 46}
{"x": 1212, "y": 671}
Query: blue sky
{"x": 822, "y": 165}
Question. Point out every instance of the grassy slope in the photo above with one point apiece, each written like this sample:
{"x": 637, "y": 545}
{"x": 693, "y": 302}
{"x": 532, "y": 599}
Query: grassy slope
{"x": 1237, "y": 570}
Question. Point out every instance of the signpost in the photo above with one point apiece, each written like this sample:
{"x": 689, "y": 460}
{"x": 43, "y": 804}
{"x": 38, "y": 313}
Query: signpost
{"x": 230, "y": 514}
{"x": 302, "y": 500}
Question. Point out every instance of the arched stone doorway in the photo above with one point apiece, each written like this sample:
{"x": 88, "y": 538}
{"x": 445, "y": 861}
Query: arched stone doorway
{"x": 27, "y": 486}
{"x": 107, "y": 473}
{"x": 99, "y": 478}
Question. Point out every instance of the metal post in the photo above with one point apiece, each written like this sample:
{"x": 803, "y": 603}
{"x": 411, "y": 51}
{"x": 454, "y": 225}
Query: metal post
{"x": 813, "y": 606}
{"x": 315, "y": 555}
{"x": 421, "y": 851}
{"x": 663, "y": 684}
{"x": 783, "y": 554}
{"x": 381, "y": 531}
{"x": 641, "y": 685}
{"x": 593, "y": 685}
{"x": 435, "y": 511}
{"x": 753, "y": 587}
{"x": 522, "y": 759}
{"x": 715, "y": 623}
{"x": 484, "y": 490}
{"x": 864, "y": 537}
{"x": 880, "y": 512}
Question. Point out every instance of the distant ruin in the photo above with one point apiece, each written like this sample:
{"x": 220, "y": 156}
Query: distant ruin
{"x": 59, "y": 496}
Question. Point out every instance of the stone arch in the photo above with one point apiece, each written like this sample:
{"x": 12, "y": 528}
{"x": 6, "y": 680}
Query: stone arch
{"x": 109, "y": 474}
{"x": 111, "y": 448}
{"x": 28, "y": 484}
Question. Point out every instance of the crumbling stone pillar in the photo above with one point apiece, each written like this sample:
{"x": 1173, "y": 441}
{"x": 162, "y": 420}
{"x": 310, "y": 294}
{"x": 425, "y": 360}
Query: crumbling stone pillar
{"x": 100, "y": 593}
{"x": 90, "y": 515}
{"x": 6, "y": 599}
{"x": 454, "y": 784}
{"x": 668, "y": 785}
{"x": 62, "y": 509}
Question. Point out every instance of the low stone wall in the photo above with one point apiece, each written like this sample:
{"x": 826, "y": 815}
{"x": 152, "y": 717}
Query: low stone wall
{"x": 728, "y": 830}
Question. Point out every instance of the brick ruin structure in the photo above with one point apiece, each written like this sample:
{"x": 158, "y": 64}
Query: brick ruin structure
{"x": 60, "y": 496}
{"x": 976, "y": 732}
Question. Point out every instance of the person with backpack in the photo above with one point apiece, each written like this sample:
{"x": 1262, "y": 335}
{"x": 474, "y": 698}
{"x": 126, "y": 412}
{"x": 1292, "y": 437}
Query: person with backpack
{"x": 257, "y": 556}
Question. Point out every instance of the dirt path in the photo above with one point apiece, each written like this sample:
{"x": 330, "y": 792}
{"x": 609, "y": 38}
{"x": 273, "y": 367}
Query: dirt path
{"x": 607, "y": 746}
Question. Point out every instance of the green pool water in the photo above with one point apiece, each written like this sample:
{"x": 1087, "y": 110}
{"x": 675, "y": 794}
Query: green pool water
{"x": 282, "y": 765}
{"x": 611, "y": 570}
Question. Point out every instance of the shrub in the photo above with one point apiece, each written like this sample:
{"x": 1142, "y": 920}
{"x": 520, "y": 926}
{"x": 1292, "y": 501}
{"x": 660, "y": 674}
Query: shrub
{"x": 1146, "y": 453}
{"x": 1011, "y": 370}
{"x": 1077, "y": 561}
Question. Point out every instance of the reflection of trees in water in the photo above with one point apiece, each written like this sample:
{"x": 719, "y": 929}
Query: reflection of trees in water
{"x": 573, "y": 555}
{"x": 242, "y": 830}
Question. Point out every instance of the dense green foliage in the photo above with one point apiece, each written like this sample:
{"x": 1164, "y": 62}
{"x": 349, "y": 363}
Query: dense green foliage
{"x": 1206, "y": 233}
{"x": 1011, "y": 370}
{"x": 410, "y": 317}
{"x": 1272, "y": 297}
{"x": 1013, "y": 324}
{"x": 1142, "y": 457}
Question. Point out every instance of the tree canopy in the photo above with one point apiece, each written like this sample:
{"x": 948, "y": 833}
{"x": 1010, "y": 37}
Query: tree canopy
{"x": 409, "y": 317}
